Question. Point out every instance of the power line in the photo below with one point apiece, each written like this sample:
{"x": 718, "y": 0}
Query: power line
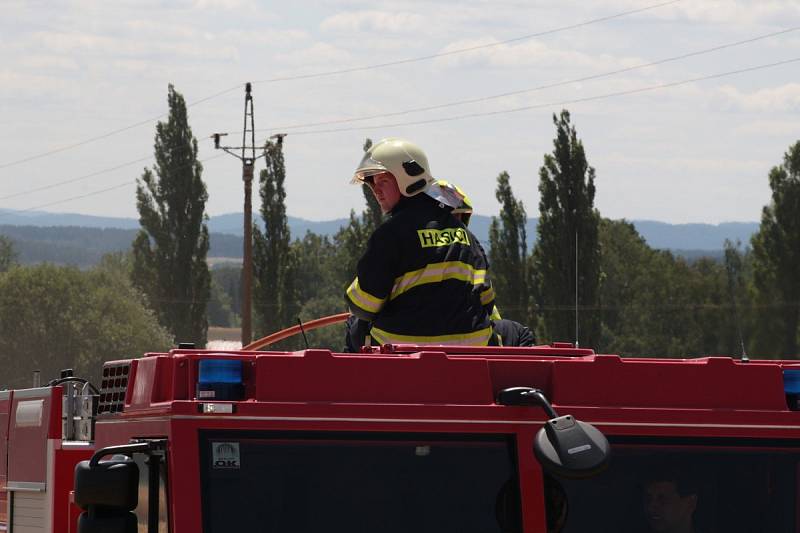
{"x": 84, "y": 177}
{"x": 79, "y": 178}
{"x": 507, "y": 111}
{"x": 336, "y": 72}
{"x": 94, "y": 193}
{"x": 539, "y": 87}
{"x": 443, "y": 105}
{"x": 110, "y": 133}
{"x": 551, "y": 104}
{"x": 65, "y": 200}
{"x": 469, "y": 48}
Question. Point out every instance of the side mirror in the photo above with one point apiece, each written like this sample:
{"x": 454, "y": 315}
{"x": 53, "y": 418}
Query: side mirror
{"x": 570, "y": 448}
{"x": 565, "y": 446}
{"x": 107, "y": 522}
{"x": 107, "y": 492}
{"x": 113, "y": 483}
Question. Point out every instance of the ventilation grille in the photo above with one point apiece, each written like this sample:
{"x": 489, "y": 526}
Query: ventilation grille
{"x": 113, "y": 388}
{"x": 29, "y": 512}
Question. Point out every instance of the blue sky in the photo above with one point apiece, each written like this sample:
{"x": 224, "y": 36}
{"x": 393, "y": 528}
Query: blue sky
{"x": 73, "y": 71}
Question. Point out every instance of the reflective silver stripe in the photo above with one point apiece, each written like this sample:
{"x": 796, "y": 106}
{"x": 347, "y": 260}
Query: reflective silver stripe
{"x": 436, "y": 272}
{"x": 363, "y": 299}
{"x": 474, "y": 338}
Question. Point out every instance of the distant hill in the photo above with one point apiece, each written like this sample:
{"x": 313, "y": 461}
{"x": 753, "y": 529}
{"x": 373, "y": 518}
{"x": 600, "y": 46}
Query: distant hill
{"x": 694, "y": 236}
{"x": 85, "y": 246}
{"x": 82, "y": 239}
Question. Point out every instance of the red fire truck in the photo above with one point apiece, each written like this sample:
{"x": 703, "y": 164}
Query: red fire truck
{"x": 406, "y": 438}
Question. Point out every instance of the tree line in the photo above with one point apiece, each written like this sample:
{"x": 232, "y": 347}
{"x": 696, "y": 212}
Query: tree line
{"x": 587, "y": 279}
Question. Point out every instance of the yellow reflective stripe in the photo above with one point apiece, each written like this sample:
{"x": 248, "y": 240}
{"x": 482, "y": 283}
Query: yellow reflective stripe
{"x": 475, "y": 338}
{"x": 487, "y": 296}
{"x": 495, "y": 314}
{"x": 436, "y": 272}
{"x": 363, "y": 299}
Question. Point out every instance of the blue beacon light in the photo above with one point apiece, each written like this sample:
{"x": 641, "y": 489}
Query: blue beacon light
{"x": 220, "y": 379}
{"x": 791, "y": 386}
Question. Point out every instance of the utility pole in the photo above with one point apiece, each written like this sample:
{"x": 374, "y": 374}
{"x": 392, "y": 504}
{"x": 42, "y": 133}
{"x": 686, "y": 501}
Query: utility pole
{"x": 248, "y": 158}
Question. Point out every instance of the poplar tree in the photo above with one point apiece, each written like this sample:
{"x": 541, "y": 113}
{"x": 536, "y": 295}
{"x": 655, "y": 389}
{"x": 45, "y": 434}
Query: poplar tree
{"x": 169, "y": 252}
{"x": 275, "y": 297}
{"x": 351, "y": 240}
{"x": 776, "y": 256}
{"x": 508, "y": 253}
{"x": 372, "y": 217}
{"x": 734, "y": 262}
{"x": 567, "y": 214}
{"x": 8, "y": 256}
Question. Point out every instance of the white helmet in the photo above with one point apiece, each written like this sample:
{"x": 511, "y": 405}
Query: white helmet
{"x": 452, "y": 196}
{"x": 403, "y": 159}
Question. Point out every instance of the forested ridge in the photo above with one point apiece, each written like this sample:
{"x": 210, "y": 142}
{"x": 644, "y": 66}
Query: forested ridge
{"x": 84, "y": 246}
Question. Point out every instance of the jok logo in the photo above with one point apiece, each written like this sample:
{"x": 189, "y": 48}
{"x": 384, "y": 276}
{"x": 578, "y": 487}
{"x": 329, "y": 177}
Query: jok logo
{"x": 225, "y": 454}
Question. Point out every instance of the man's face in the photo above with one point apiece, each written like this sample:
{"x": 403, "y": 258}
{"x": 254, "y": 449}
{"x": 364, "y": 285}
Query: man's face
{"x": 667, "y": 511}
{"x": 385, "y": 189}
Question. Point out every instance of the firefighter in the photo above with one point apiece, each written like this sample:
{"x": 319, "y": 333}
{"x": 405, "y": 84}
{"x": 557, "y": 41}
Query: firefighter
{"x": 511, "y": 333}
{"x": 423, "y": 278}
{"x": 450, "y": 194}
{"x": 670, "y": 500}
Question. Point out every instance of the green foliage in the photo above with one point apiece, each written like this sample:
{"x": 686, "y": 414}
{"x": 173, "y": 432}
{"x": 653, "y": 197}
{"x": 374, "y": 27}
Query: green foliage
{"x": 60, "y": 317}
{"x": 318, "y": 293}
{"x": 738, "y": 289}
{"x": 372, "y": 217}
{"x": 776, "y": 254}
{"x": 170, "y": 250}
{"x": 508, "y": 253}
{"x": 350, "y": 243}
{"x": 229, "y": 280}
{"x": 219, "y": 307}
{"x": 654, "y": 304}
{"x": 567, "y": 213}
{"x": 8, "y": 255}
{"x": 351, "y": 240}
{"x": 275, "y": 299}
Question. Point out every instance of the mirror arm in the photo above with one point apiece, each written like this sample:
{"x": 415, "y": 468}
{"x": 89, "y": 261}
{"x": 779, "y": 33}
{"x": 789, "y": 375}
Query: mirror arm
{"x": 526, "y": 396}
{"x": 153, "y": 462}
{"x": 128, "y": 449}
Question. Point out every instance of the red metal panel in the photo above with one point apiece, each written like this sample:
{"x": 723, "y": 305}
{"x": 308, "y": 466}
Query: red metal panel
{"x": 33, "y": 415}
{"x": 426, "y": 377}
{"x": 5, "y": 405}
{"x": 64, "y": 462}
{"x": 711, "y": 383}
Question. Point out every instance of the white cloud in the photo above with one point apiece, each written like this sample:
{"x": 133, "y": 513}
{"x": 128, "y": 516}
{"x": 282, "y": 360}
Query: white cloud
{"x": 773, "y": 99}
{"x": 772, "y": 128}
{"x": 690, "y": 166}
{"x": 229, "y": 5}
{"x": 45, "y": 62}
{"x": 161, "y": 28}
{"x": 62, "y": 42}
{"x": 527, "y": 54}
{"x": 742, "y": 12}
{"x": 87, "y": 44}
{"x": 285, "y": 38}
{"x": 317, "y": 55}
{"x": 376, "y": 21}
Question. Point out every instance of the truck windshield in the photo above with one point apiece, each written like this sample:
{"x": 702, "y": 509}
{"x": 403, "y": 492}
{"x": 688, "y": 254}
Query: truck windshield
{"x": 700, "y": 486}
{"x": 314, "y": 482}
